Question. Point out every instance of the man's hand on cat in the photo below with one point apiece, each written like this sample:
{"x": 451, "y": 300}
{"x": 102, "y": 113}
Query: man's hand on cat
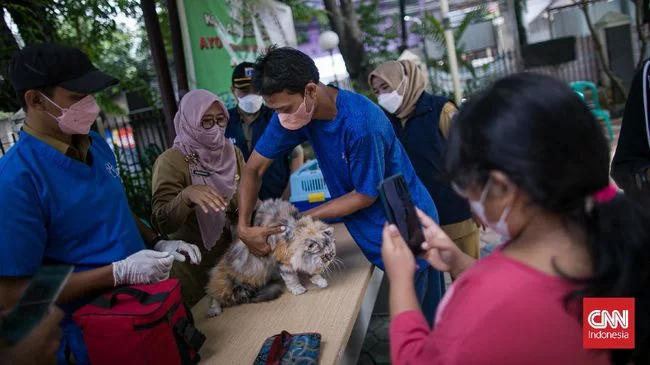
{"x": 255, "y": 238}
{"x": 205, "y": 197}
{"x": 178, "y": 249}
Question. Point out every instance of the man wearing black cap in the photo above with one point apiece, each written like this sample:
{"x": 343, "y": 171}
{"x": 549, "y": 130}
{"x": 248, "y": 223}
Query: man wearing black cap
{"x": 248, "y": 120}
{"x": 62, "y": 200}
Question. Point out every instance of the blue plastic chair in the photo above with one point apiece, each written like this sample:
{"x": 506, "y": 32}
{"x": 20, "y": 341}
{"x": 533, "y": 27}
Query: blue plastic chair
{"x": 598, "y": 112}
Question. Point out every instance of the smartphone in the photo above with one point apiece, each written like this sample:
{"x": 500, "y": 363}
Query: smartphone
{"x": 41, "y": 294}
{"x": 401, "y": 212}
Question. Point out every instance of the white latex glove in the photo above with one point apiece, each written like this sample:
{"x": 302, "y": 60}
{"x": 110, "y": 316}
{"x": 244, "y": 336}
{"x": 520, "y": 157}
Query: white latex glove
{"x": 177, "y": 248}
{"x": 143, "y": 267}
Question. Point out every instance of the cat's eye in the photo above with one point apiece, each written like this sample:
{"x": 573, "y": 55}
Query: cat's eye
{"x": 312, "y": 245}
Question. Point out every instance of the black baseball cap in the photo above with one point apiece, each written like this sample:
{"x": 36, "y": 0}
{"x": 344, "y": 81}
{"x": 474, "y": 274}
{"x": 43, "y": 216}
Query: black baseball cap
{"x": 43, "y": 65}
{"x": 242, "y": 75}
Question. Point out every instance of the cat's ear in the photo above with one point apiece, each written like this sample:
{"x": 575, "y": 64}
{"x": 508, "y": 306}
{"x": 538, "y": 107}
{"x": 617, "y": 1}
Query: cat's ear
{"x": 329, "y": 232}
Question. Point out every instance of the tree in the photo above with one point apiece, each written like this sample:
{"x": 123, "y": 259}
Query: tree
{"x": 615, "y": 80}
{"x": 89, "y": 25}
{"x": 379, "y": 33}
{"x": 8, "y": 45}
{"x": 344, "y": 21}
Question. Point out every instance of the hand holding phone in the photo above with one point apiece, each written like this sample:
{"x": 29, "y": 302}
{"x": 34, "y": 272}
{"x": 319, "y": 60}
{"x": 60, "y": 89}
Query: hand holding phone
{"x": 401, "y": 212}
{"x": 40, "y": 345}
{"x": 35, "y": 304}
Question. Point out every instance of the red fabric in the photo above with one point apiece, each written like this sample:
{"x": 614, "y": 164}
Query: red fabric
{"x": 498, "y": 312}
{"x": 130, "y": 332}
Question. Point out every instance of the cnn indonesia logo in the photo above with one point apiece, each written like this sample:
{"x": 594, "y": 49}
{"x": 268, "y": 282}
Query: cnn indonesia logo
{"x": 608, "y": 323}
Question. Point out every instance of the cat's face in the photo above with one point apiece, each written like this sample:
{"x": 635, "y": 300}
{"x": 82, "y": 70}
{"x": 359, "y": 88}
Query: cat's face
{"x": 313, "y": 245}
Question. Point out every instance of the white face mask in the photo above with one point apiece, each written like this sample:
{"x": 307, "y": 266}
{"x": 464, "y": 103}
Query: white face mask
{"x": 478, "y": 207}
{"x": 250, "y": 104}
{"x": 393, "y": 100}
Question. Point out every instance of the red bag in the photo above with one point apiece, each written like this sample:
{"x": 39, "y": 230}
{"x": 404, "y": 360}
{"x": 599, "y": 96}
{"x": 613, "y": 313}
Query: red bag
{"x": 140, "y": 324}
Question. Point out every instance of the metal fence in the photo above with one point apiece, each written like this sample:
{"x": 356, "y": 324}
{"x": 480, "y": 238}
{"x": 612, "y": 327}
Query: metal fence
{"x": 584, "y": 67}
{"x": 6, "y": 142}
{"x": 137, "y": 140}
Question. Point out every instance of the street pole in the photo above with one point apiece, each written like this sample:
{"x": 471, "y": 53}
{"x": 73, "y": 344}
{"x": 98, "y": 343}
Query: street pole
{"x": 451, "y": 50}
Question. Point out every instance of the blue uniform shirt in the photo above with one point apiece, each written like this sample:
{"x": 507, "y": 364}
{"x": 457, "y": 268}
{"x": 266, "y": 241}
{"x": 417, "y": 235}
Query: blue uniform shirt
{"x": 276, "y": 178}
{"x": 55, "y": 209}
{"x": 356, "y": 151}
{"x": 59, "y": 210}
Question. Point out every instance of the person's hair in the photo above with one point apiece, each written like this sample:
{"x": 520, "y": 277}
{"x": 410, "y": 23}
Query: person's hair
{"x": 538, "y": 132}
{"x": 47, "y": 90}
{"x": 284, "y": 69}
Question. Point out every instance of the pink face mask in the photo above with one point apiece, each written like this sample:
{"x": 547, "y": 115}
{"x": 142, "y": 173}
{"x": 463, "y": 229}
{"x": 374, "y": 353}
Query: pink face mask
{"x": 79, "y": 117}
{"x": 299, "y": 119}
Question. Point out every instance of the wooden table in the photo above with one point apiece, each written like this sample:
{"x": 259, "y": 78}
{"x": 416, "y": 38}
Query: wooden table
{"x": 340, "y": 313}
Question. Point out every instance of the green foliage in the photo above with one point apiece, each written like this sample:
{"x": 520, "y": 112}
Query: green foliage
{"x": 304, "y": 12}
{"x": 91, "y": 26}
{"x": 377, "y": 37}
{"x": 433, "y": 29}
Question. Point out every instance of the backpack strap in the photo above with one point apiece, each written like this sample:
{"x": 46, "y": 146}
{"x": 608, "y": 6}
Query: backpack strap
{"x": 192, "y": 336}
{"x": 142, "y": 297}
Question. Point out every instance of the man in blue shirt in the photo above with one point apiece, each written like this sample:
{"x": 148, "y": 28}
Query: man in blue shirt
{"x": 61, "y": 197}
{"x": 248, "y": 120}
{"x": 356, "y": 148}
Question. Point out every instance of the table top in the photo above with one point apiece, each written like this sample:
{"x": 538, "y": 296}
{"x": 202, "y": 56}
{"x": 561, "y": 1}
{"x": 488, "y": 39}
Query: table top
{"x": 236, "y": 335}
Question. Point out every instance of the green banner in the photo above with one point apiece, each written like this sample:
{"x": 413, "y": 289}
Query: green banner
{"x": 219, "y": 34}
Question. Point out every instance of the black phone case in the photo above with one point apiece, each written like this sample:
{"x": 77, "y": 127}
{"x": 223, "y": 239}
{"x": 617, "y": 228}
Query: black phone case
{"x": 401, "y": 212}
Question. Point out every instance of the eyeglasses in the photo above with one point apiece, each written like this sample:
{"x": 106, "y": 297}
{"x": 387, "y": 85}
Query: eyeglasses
{"x": 208, "y": 122}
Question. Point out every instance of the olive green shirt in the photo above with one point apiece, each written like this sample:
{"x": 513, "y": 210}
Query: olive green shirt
{"x": 171, "y": 214}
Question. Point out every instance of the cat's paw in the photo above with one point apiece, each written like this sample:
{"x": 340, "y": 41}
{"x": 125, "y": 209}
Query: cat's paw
{"x": 297, "y": 290}
{"x": 213, "y": 310}
{"x": 319, "y": 281}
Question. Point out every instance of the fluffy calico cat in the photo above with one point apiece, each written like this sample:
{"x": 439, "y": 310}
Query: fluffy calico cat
{"x": 307, "y": 246}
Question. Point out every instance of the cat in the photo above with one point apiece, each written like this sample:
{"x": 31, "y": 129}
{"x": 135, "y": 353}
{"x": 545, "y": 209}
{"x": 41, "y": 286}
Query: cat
{"x": 307, "y": 246}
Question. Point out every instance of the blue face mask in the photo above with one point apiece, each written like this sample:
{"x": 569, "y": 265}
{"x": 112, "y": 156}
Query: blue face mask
{"x": 478, "y": 207}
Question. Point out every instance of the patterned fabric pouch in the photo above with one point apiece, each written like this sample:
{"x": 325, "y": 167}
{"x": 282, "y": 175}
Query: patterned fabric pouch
{"x": 286, "y": 348}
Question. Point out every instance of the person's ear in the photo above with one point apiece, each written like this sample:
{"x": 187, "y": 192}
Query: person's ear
{"x": 502, "y": 187}
{"x": 310, "y": 90}
{"x": 34, "y": 100}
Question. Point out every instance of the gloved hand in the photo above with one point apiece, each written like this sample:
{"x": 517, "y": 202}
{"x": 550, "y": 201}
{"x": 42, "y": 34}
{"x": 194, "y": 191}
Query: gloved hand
{"x": 143, "y": 267}
{"x": 177, "y": 248}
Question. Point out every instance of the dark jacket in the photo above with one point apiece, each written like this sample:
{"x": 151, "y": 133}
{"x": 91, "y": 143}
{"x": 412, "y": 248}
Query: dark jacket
{"x": 425, "y": 145}
{"x": 276, "y": 178}
{"x": 633, "y": 150}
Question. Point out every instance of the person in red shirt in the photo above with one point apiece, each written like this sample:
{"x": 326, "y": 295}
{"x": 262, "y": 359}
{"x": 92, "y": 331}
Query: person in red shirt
{"x": 533, "y": 163}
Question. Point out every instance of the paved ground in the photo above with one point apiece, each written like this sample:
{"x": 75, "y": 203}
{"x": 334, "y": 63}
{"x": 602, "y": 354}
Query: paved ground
{"x": 375, "y": 348}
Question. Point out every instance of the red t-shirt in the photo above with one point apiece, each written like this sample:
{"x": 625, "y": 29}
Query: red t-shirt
{"x": 500, "y": 311}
